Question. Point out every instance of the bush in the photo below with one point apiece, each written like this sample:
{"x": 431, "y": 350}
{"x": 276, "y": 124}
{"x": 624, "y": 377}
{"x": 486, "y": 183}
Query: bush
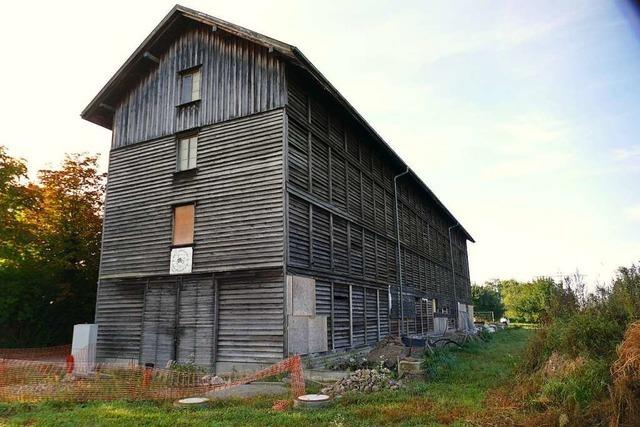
{"x": 535, "y": 353}
{"x": 580, "y": 388}
{"x": 485, "y": 335}
{"x": 589, "y": 333}
{"x": 570, "y": 359}
{"x": 437, "y": 363}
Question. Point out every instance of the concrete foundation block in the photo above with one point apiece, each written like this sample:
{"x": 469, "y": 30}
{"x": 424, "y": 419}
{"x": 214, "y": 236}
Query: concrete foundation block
{"x": 409, "y": 368}
{"x": 303, "y": 296}
{"x": 307, "y": 334}
{"x": 83, "y": 347}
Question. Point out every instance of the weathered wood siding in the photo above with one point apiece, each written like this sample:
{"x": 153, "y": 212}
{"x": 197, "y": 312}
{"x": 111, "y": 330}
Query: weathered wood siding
{"x": 341, "y": 212}
{"x": 178, "y": 321}
{"x": 250, "y": 318}
{"x": 159, "y": 321}
{"x": 237, "y": 189}
{"x": 195, "y": 328}
{"x": 239, "y": 78}
{"x": 119, "y": 309}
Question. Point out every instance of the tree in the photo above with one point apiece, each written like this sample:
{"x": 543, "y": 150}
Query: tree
{"x": 487, "y": 298}
{"x": 69, "y": 221}
{"x": 17, "y": 197}
{"x": 49, "y": 267}
{"x": 528, "y": 302}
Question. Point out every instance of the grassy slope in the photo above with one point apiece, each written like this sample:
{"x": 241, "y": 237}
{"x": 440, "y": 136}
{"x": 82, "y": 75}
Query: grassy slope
{"x": 456, "y": 397}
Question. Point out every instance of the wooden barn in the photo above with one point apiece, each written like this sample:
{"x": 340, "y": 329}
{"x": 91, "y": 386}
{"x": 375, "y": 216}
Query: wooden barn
{"x": 252, "y": 213}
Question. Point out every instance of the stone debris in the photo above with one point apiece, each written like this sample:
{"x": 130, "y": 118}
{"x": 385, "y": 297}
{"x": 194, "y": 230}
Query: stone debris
{"x": 212, "y": 380}
{"x": 364, "y": 381}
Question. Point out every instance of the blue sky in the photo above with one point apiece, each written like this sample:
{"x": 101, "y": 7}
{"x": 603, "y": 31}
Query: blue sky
{"x": 523, "y": 117}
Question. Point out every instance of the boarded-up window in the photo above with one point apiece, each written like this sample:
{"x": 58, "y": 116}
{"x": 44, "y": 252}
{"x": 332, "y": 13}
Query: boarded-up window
{"x": 187, "y": 152}
{"x": 189, "y": 86}
{"x": 183, "y": 217}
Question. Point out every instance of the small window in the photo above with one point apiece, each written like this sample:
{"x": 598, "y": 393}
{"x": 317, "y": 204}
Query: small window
{"x": 187, "y": 152}
{"x": 183, "y": 218}
{"x": 189, "y": 86}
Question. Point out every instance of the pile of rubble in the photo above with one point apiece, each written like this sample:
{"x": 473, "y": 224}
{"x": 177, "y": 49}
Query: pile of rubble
{"x": 364, "y": 380}
{"x": 388, "y": 351}
{"x": 212, "y": 380}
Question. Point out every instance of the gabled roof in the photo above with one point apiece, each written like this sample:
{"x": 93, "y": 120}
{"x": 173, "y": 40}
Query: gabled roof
{"x": 100, "y": 109}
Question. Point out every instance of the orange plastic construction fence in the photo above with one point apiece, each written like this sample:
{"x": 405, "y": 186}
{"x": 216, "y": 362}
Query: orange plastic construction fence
{"x": 75, "y": 379}
{"x": 51, "y": 354}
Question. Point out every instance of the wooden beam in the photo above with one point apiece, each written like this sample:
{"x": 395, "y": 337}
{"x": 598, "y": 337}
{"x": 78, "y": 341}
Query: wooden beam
{"x": 364, "y": 293}
{"x": 176, "y": 320}
{"x": 378, "y": 311}
{"x": 330, "y": 175}
{"x": 144, "y": 307}
{"x": 350, "y": 316}
{"x": 216, "y": 304}
{"x": 333, "y": 327}
{"x": 331, "y": 243}
{"x": 349, "y": 246}
{"x": 310, "y": 235}
{"x": 107, "y": 107}
{"x": 151, "y": 57}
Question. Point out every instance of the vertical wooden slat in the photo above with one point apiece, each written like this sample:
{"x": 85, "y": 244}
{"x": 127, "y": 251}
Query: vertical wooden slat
{"x": 350, "y": 316}
{"x": 333, "y": 327}
{"x": 378, "y": 314}
{"x": 216, "y": 310}
{"x": 364, "y": 291}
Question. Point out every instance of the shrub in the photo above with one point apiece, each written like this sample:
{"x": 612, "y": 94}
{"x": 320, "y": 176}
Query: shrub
{"x": 591, "y": 334}
{"x": 580, "y": 388}
{"x": 535, "y": 353}
{"x": 437, "y": 363}
{"x": 583, "y": 333}
{"x": 485, "y": 335}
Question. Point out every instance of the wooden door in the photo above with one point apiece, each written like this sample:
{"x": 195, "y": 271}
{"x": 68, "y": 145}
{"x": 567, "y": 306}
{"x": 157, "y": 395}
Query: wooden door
{"x": 195, "y": 327}
{"x": 159, "y": 322}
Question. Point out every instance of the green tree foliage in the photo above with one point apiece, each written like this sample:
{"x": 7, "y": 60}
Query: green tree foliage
{"x": 50, "y": 251}
{"x": 17, "y": 197}
{"x": 487, "y": 298}
{"x": 528, "y": 302}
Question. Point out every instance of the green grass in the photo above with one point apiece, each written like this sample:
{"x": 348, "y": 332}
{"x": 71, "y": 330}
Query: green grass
{"x": 455, "y": 396}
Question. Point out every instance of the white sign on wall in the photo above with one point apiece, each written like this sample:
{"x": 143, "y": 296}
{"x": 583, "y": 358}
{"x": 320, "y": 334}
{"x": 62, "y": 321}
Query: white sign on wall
{"x": 181, "y": 260}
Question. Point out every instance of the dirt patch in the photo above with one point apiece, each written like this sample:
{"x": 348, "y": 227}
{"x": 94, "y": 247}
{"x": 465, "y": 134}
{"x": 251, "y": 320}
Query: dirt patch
{"x": 388, "y": 351}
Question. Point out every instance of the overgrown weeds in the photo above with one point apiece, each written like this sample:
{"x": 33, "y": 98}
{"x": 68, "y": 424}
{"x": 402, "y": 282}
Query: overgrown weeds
{"x": 626, "y": 379}
{"x": 438, "y": 362}
{"x": 578, "y": 359}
